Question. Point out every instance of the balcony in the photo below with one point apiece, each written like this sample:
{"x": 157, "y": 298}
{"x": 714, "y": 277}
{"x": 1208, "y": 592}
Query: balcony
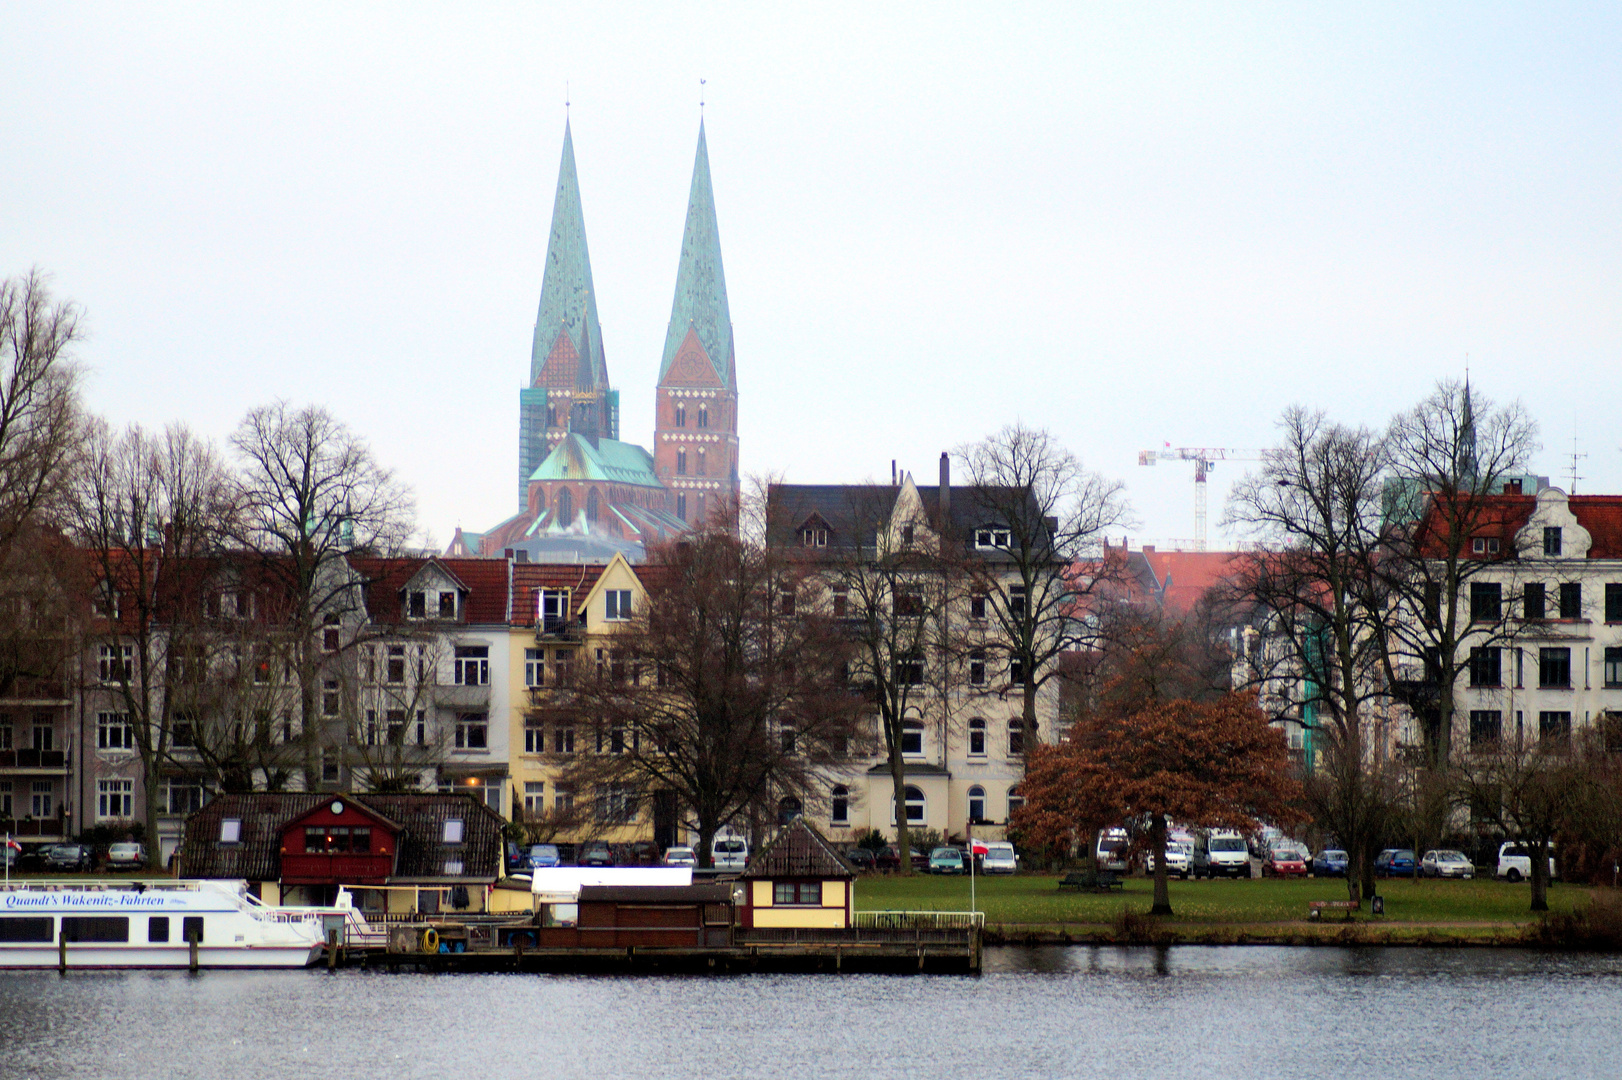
{"x": 50, "y": 761}
{"x": 559, "y": 630}
{"x": 51, "y": 828}
{"x": 338, "y": 868}
{"x": 457, "y": 696}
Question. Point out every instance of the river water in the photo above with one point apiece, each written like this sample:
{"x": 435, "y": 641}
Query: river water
{"x": 1185, "y": 1011}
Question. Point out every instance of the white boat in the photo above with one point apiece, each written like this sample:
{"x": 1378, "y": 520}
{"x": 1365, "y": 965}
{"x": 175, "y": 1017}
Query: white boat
{"x": 150, "y": 924}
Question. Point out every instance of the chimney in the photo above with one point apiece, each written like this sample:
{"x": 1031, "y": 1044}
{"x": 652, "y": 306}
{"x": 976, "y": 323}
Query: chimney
{"x": 946, "y": 492}
{"x": 892, "y": 472}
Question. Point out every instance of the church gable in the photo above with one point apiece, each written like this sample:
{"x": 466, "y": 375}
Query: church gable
{"x": 692, "y": 366}
{"x": 561, "y": 365}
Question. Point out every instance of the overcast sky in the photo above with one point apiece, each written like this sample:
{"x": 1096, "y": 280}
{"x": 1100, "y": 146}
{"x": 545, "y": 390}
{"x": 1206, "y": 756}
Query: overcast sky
{"x": 1130, "y": 224}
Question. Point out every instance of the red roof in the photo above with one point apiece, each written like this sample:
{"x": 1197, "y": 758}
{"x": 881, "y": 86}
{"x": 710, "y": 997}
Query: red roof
{"x": 1182, "y": 578}
{"x": 529, "y": 578}
{"x": 485, "y": 579}
{"x": 1502, "y": 516}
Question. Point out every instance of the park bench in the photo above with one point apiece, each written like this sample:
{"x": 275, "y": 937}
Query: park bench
{"x": 1092, "y": 881}
{"x": 1315, "y": 908}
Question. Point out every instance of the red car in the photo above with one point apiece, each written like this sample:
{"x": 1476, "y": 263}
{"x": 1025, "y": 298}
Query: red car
{"x": 1285, "y": 862}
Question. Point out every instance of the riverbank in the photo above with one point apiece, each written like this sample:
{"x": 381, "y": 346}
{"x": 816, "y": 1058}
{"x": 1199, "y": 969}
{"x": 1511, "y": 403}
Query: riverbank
{"x": 1031, "y": 909}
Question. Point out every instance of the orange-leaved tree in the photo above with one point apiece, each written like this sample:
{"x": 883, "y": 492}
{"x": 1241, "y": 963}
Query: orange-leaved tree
{"x": 1214, "y": 763}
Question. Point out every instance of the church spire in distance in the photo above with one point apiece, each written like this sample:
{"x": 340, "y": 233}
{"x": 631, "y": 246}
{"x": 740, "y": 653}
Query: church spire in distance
{"x": 568, "y": 297}
{"x": 700, "y": 303}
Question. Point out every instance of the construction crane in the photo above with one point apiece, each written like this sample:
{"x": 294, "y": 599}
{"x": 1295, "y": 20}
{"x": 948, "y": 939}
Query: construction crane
{"x": 1204, "y": 459}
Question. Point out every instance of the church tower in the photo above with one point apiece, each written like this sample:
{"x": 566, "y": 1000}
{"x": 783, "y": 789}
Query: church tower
{"x": 568, "y": 377}
{"x": 695, "y": 440}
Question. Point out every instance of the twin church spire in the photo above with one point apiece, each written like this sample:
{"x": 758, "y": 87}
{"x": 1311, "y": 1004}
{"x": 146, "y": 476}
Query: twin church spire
{"x": 693, "y": 464}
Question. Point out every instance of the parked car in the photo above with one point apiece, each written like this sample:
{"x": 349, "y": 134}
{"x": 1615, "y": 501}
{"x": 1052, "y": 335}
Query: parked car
{"x": 69, "y": 857}
{"x": 861, "y": 858}
{"x": 126, "y": 856}
{"x": 1330, "y": 862}
{"x": 1179, "y": 860}
{"x": 1395, "y": 862}
{"x": 1515, "y": 864}
{"x": 1440, "y": 864}
{"x": 596, "y": 853}
{"x": 1110, "y": 851}
{"x": 1220, "y": 852}
{"x": 680, "y": 855}
{"x": 1284, "y": 860}
{"x": 890, "y": 859}
{"x": 729, "y": 853}
{"x": 1000, "y": 858}
{"x": 946, "y": 860}
{"x": 543, "y": 856}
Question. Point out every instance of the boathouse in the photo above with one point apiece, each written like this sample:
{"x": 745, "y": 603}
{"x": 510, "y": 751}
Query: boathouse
{"x": 798, "y": 881}
{"x": 418, "y": 852}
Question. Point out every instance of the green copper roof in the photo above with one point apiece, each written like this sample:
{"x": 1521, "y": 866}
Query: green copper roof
{"x": 568, "y": 298}
{"x": 611, "y": 461}
{"x": 701, "y": 285}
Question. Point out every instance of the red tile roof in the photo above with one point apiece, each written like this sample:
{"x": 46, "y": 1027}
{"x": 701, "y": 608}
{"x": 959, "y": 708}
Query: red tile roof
{"x": 529, "y": 578}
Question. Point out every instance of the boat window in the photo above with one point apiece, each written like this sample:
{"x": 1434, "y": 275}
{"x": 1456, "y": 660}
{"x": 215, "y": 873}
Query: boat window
{"x": 29, "y": 928}
{"x": 191, "y": 928}
{"x": 95, "y": 928}
{"x": 157, "y": 928}
{"x": 231, "y": 830}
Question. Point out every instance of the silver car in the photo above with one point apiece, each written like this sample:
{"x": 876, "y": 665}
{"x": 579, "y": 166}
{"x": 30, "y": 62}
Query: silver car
{"x": 1446, "y": 863}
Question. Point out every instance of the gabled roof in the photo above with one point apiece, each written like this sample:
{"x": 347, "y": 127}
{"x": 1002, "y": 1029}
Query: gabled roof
{"x": 568, "y": 297}
{"x": 530, "y": 578}
{"x": 701, "y": 286}
{"x": 798, "y": 851}
{"x": 1178, "y": 580}
{"x": 853, "y": 511}
{"x": 485, "y": 582}
{"x": 605, "y": 460}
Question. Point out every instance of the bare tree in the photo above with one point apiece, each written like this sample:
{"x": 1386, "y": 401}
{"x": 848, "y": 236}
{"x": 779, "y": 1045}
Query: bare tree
{"x": 39, "y": 404}
{"x": 1450, "y": 459}
{"x": 1322, "y": 657}
{"x": 724, "y": 689}
{"x": 1038, "y": 518}
{"x": 310, "y": 492}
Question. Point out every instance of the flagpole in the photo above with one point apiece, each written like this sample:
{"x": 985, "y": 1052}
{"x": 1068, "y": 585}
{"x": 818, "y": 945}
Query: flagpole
{"x": 970, "y": 830}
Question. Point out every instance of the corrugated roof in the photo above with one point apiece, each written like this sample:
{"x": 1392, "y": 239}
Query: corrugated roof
{"x": 798, "y": 851}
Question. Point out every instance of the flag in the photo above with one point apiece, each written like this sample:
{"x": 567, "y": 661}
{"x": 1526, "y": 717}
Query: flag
{"x": 12, "y": 844}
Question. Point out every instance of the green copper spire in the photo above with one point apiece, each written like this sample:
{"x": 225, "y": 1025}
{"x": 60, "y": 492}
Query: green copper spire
{"x": 701, "y": 285}
{"x": 568, "y": 298}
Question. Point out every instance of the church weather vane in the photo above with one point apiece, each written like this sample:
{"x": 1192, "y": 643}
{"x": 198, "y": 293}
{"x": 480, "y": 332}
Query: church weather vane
{"x": 701, "y": 83}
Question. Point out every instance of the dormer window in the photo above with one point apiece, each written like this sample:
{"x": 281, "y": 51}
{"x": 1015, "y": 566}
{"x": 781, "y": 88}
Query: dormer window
{"x": 906, "y": 535}
{"x": 452, "y": 833}
{"x": 1484, "y": 545}
{"x": 1551, "y": 541}
{"x": 814, "y": 537}
{"x": 417, "y": 605}
{"x": 104, "y": 602}
{"x": 553, "y": 610}
{"x": 447, "y": 605}
{"x": 991, "y": 539}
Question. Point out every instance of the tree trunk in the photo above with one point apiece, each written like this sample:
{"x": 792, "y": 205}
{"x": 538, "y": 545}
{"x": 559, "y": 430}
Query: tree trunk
{"x": 1539, "y": 875}
{"x": 1157, "y": 844}
{"x": 1359, "y": 872}
{"x": 903, "y": 835}
{"x": 706, "y": 840}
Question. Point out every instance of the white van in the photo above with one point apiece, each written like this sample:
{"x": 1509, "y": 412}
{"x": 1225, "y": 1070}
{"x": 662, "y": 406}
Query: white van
{"x": 1220, "y": 851}
{"x": 1515, "y": 863}
{"x": 729, "y": 853}
{"x": 1110, "y": 852}
{"x": 1000, "y": 858}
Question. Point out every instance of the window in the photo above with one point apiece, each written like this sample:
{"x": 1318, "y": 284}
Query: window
{"x": 796, "y": 893}
{"x": 915, "y": 806}
{"x": 1486, "y": 727}
{"x": 977, "y": 607}
{"x": 977, "y": 805}
{"x": 618, "y": 603}
{"x": 563, "y": 740}
{"x": 681, "y": 507}
{"x": 703, "y": 415}
{"x": 991, "y": 538}
{"x": 1554, "y": 727}
{"x": 5, "y": 733}
{"x": 337, "y": 840}
{"x": 114, "y": 731}
{"x": 814, "y": 537}
{"x": 1613, "y": 601}
{"x": 788, "y": 808}
{"x": 1571, "y": 600}
{"x": 157, "y": 928}
{"x": 681, "y": 463}
{"x": 42, "y": 792}
{"x": 329, "y": 634}
{"x": 1016, "y": 737}
{"x": 473, "y": 731}
{"x": 422, "y": 727}
{"x": 1612, "y": 722}
{"x": 1485, "y": 667}
{"x": 191, "y": 929}
{"x": 1533, "y": 602}
{"x": 565, "y": 507}
{"x": 906, "y": 535}
{"x": 1016, "y": 671}
{"x": 977, "y": 737}
{"x": 115, "y": 663}
{"x": 841, "y": 603}
{"x": 839, "y": 804}
{"x": 230, "y": 830}
{"x": 1613, "y": 666}
{"x": 591, "y": 505}
{"x": 5, "y": 799}
{"x": 394, "y": 726}
{"x": 1484, "y": 545}
{"x": 912, "y": 737}
{"x": 115, "y": 798}
{"x": 616, "y": 803}
{"x": 447, "y": 605}
{"x": 33, "y": 929}
{"x": 977, "y": 667}
{"x": 1016, "y": 601}
{"x": 1486, "y": 601}
{"x": 181, "y": 797}
{"x": 1015, "y": 801}
{"x": 681, "y": 414}
{"x": 394, "y": 666}
{"x": 472, "y": 665}
{"x": 104, "y": 601}
{"x": 554, "y": 610}
{"x": 183, "y": 732}
{"x": 562, "y": 799}
{"x": 417, "y": 605}
{"x": 330, "y": 767}
{"x": 701, "y": 459}
{"x": 534, "y": 797}
{"x": 909, "y": 670}
{"x": 787, "y": 737}
{"x": 1554, "y": 667}
{"x": 44, "y": 733}
{"x": 95, "y": 928}
{"x": 534, "y": 667}
{"x": 534, "y": 737}
{"x": 786, "y": 602}
{"x": 908, "y": 603}
{"x": 1551, "y": 541}
{"x": 329, "y": 697}
{"x": 451, "y": 833}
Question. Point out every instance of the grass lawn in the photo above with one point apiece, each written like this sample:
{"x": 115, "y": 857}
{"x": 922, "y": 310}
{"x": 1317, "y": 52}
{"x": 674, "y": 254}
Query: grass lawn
{"x": 1037, "y": 899}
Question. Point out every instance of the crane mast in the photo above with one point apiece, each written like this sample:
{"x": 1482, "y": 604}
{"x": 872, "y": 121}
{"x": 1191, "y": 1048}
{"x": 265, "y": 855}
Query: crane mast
{"x": 1204, "y": 459}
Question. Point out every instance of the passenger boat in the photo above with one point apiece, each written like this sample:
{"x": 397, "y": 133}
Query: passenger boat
{"x": 147, "y": 924}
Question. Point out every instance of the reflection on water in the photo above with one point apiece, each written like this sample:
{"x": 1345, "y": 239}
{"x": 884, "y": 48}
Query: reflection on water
{"x": 1038, "y": 1012}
